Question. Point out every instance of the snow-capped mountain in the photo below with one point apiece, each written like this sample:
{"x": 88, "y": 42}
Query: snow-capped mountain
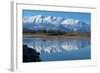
{"x": 40, "y": 22}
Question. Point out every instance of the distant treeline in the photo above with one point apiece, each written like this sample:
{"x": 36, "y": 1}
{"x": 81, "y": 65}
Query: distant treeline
{"x": 54, "y": 32}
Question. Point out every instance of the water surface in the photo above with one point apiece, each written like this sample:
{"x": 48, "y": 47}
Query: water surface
{"x": 60, "y": 49}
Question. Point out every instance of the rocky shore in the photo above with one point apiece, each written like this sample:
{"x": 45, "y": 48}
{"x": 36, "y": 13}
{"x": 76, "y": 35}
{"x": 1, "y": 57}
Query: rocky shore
{"x": 30, "y": 55}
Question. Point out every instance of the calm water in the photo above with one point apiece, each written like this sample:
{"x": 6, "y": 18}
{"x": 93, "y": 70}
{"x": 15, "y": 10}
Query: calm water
{"x": 60, "y": 49}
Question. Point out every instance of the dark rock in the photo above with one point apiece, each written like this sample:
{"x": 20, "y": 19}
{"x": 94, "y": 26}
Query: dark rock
{"x": 30, "y": 55}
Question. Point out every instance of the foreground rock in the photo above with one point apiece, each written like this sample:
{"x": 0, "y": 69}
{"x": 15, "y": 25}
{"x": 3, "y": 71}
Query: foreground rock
{"x": 30, "y": 55}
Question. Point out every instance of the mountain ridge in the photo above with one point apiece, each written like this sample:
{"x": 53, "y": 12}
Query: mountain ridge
{"x": 40, "y": 22}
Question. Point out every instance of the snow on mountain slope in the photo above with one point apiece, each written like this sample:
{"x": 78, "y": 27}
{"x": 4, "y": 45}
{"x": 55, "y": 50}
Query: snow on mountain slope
{"x": 40, "y": 22}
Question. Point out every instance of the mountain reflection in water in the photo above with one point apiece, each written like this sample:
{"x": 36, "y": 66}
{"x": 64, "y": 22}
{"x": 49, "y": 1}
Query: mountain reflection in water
{"x": 60, "y": 49}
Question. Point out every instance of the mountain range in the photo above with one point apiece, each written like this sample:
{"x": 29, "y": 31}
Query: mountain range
{"x": 40, "y": 22}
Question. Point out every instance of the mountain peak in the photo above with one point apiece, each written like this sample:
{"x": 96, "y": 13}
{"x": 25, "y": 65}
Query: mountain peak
{"x": 70, "y": 21}
{"x": 49, "y": 19}
{"x": 58, "y": 23}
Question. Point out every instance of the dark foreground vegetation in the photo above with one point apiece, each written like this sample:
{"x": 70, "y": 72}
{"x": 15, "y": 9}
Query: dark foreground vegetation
{"x": 30, "y": 55}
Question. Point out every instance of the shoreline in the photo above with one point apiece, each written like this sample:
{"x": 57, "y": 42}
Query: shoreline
{"x": 55, "y": 36}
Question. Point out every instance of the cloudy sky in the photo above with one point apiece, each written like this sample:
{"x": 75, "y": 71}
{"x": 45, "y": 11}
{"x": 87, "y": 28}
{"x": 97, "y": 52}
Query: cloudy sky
{"x": 85, "y": 17}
